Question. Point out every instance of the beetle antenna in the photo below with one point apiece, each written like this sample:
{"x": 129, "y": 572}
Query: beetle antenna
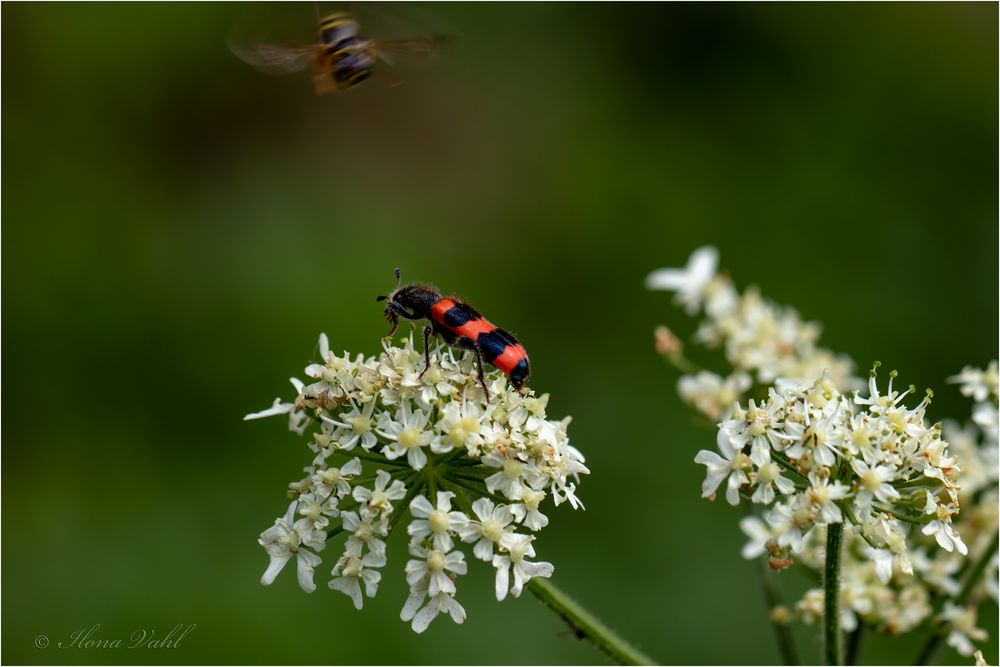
{"x": 397, "y": 277}
{"x": 381, "y": 297}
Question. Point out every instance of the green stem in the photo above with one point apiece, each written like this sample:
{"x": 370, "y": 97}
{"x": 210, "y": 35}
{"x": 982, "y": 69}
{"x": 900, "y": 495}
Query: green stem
{"x": 368, "y": 456}
{"x": 461, "y": 497}
{"x": 845, "y": 507}
{"x": 404, "y": 506}
{"x": 918, "y": 520}
{"x": 975, "y": 574}
{"x": 854, "y": 642}
{"x": 831, "y": 592}
{"x": 586, "y": 625}
{"x": 479, "y": 492}
{"x": 772, "y": 596}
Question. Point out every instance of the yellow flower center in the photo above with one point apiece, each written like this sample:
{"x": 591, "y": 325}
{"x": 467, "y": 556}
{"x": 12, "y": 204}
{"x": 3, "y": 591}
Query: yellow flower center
{"x": 311, "y": 510}
{"x": 532, "y": 499}
{"x": 512, "y": 468}
{"x": 871, "y": 480}
{"x": 353, "y": 567}
{"x": 435, "y": 560}
{"x": 380, "y": 500}
{"x": 518, "y": 550}
{"x": 363, "y": 532}
{"x": 360, "y": 424}
{"x": 409, "y": 437}
{"x": 438, "y": 521}
{"x": 819, "y": 495}
{"x": 768, "y": 473}
{"x": 492, "y": 530}
{"x": 290, "y": 540}
{"x": 897, "y": 419}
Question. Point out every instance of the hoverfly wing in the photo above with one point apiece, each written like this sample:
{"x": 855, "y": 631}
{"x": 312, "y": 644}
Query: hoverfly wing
{"x": 277, "y": 59}
{"x": 416, "y": 53}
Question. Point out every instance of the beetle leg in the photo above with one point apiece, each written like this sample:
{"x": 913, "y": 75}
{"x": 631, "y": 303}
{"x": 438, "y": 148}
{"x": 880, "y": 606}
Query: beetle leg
{"x": 427, "y": 352}
{"x": 482, "y": 379}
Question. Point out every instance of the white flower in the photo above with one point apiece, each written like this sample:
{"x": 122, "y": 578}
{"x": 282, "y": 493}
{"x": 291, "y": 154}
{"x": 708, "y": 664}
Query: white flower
{"x": 510, "y": 479}
{"x": 822, "y": 436}
{"x": 432, "y": 566}
{"x": 711, "y": 394}
{"x": 440, "y": 522}
{"x": 358, "y": 426}
{"x": 962, "y": 630}
{"x": 350, "y": 571}
{"x": 526, "y": 512}
{"x": 824, "y": 494}
{"x": 941, "y": 527}
{"x": 442, "y": 603}
{"x": 939, "y": 571}
{"x": 318, "y": 510}
{"x": 408, "y": 435}
{"x": 331, "y": 480}
{"x": 874, "y": 482}
{"x": 769, "y": 475}
{"x": 689, "y": 282}
{"x": 284, "y": 540}
{"x": 985, "y": 417}
{"x": 790, "y": 522}
{"x": 366, "y": 528}
{"x": 379, "y": 499}
{"x": 494, "y": 522}
{"x": 732, "y": 464}
{"x": 461, "y": 423}
{"x": 759, "y": 533}
{"x": 978, "y": 384}
{"x": 518, "y": 549}
{"x": 297, "y": 418}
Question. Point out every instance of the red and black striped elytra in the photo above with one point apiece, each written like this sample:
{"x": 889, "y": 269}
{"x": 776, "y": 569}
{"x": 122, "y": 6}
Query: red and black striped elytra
{"x": 458, "y": 324}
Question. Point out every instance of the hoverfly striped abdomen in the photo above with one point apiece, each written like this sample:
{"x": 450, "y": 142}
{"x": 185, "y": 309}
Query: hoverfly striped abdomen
{"x": 336, "y": 27}
{"x": 351, "y": 58}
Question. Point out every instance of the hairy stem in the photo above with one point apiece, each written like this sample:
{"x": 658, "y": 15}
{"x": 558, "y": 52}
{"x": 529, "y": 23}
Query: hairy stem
{"x": 975, "y": 574}
{"x": 831, "y": 593}
{"x": 586, "y": 625}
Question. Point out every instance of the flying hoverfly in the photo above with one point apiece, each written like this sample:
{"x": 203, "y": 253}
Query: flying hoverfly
{"x": 342, "y": 58}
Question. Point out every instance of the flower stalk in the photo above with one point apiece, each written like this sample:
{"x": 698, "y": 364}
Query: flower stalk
{"x": 831, "y": 593}
{"x": 586, "y": 625}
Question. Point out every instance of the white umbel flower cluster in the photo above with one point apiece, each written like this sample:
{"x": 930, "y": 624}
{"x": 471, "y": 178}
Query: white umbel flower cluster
{"x": 762, "y": 340}
{"x": 393, "y": 438}
{"x": 814, "y": 457}
{"x": 803, "y": 446}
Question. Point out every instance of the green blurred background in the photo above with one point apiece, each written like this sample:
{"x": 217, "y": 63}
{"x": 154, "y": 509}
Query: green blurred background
{"x": 178, "y": 228}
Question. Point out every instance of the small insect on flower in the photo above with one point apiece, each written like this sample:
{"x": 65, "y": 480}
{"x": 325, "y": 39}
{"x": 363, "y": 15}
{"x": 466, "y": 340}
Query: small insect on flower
{"x": 342, "y": 58}
{"x": 458, "y": 324}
